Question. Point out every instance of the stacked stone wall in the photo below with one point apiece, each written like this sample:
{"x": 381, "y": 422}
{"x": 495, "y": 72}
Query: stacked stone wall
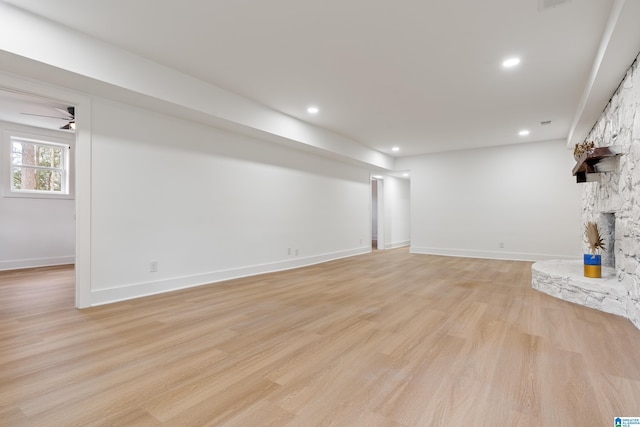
{"x": 618, "y": 191}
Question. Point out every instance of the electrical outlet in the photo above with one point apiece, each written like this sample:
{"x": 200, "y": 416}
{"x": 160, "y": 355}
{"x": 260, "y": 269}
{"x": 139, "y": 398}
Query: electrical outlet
{"x": 297, "y": 252}
{"x": 288, "y": 251}
{"x": 153, "y": 266}
{"x": 501, "y": 245}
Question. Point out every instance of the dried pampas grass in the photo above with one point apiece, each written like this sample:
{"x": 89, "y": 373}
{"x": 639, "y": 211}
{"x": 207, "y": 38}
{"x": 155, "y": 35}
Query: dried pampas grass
{"x": 593, "y": 237}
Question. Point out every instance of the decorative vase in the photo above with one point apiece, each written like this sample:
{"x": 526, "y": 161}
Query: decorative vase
{"x": 593, "y": 266}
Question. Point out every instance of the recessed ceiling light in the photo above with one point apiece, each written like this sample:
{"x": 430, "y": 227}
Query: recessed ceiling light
{"x": 396, "y": 149}
{"x": 511, "y": 62}
{"x": 405, "y": 174}
{"x": 524, "y": 132}
{"x": 312, "y": 110}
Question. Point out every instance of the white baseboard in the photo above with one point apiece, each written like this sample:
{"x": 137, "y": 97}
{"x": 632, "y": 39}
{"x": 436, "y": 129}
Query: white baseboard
{"x": 36, "y": 262}
{"x": 501, "y": 255}
{"x": 397, "y": 244}
{"x": 138, "y": 290}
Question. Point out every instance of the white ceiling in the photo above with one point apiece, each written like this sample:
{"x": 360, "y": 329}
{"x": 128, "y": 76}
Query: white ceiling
{"x": 424, "y": 75}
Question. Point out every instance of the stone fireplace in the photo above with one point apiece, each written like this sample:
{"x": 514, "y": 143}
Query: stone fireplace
{"x": 565, "y": 278}
{"x": 612, "y": 200}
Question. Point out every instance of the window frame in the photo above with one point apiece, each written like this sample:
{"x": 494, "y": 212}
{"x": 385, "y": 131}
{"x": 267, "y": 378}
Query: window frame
{"x": 9, "y": 137}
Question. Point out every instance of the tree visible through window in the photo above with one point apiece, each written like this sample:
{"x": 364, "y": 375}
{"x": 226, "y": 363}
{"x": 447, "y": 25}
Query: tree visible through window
{"x": 38, "y": 166}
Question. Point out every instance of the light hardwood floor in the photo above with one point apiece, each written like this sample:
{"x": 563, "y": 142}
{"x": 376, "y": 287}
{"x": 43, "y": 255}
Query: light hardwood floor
{"x": 384, "y": 339}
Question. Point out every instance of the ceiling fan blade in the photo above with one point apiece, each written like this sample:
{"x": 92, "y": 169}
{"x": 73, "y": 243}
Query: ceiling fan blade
{"x": 42, "y": 115}
{"x": 70, "y": 112}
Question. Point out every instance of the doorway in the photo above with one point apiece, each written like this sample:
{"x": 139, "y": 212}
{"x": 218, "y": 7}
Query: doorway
{"x": 377, "y": 213}
{"x": 80, "y": 158}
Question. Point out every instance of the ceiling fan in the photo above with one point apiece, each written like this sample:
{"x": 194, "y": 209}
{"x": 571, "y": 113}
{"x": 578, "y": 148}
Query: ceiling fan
{"x": 69, "y": 116}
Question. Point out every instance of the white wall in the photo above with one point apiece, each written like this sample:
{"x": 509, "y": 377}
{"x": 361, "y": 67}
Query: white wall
{"x": 466, "y": 203}
{"x": 34, "y": 232}
{"x": 397, "y": 212}
{"x": 209, "y": 205}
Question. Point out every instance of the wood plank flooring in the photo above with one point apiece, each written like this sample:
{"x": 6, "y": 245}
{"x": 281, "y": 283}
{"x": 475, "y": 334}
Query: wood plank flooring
{"x": 384, "y": 339}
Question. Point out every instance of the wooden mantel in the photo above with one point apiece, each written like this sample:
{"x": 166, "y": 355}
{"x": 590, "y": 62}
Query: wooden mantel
{"x": 586, "y": 164}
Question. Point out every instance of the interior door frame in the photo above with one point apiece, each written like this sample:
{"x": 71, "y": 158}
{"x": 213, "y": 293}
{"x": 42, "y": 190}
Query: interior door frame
{"x": 378, "y": 182}
{"x": 82, "y": 164}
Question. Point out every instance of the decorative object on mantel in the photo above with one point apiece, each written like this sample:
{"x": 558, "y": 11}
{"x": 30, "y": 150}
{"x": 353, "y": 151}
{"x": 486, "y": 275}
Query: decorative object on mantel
{"x": 593, "y": 161}
{"x": 593, "y": 261}
{"x": 582, "y": 148}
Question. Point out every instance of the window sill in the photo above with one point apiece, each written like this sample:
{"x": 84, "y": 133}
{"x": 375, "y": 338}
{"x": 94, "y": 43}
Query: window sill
{"x": 27, "y": 195}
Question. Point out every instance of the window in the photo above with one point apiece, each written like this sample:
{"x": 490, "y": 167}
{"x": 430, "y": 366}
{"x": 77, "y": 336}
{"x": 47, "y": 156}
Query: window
{"x": 38, "y": 166}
